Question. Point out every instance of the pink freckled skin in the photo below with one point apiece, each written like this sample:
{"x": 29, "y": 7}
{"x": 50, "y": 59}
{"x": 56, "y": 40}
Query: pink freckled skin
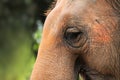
{"x": 101, "y": 35}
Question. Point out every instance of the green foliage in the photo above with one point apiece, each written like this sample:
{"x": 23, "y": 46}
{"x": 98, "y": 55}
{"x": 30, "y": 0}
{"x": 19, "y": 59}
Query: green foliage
{"x": 16, "y": 55}
{"x": 37, "y": 35}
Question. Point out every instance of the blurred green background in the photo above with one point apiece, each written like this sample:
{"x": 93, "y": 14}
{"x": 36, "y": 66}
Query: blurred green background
{"x": 21, "y": 23}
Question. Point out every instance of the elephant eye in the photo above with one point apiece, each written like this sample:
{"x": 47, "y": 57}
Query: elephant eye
{"x": 73, "y": 36}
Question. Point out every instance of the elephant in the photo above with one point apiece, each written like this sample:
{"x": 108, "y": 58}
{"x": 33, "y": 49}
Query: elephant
{"x": 81, "y": 38}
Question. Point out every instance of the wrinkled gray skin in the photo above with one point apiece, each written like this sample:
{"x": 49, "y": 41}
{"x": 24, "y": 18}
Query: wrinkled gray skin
{"x": 80, "y": 37}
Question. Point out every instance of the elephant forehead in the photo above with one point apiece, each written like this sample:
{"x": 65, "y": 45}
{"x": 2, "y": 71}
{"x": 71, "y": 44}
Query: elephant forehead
{"x": 86, "y": 13}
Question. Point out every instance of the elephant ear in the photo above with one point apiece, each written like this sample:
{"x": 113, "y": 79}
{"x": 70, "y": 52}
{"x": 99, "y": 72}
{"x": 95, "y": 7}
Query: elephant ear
{"x": 115, "y": 4}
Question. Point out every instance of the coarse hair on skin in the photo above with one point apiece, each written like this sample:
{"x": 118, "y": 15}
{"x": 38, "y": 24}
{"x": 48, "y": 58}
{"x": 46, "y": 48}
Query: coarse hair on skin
{"x": 50, "y": 7}
{"x": 115, "y": 4}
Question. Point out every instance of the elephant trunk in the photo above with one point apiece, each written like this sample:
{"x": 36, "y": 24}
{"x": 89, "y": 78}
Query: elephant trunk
{"x": 54, "y": 65}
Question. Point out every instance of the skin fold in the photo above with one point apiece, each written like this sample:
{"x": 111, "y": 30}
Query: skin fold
{"x": 80, "y": 37}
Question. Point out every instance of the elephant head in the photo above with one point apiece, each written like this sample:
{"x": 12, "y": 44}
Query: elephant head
{"x": 80, "y": 37}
